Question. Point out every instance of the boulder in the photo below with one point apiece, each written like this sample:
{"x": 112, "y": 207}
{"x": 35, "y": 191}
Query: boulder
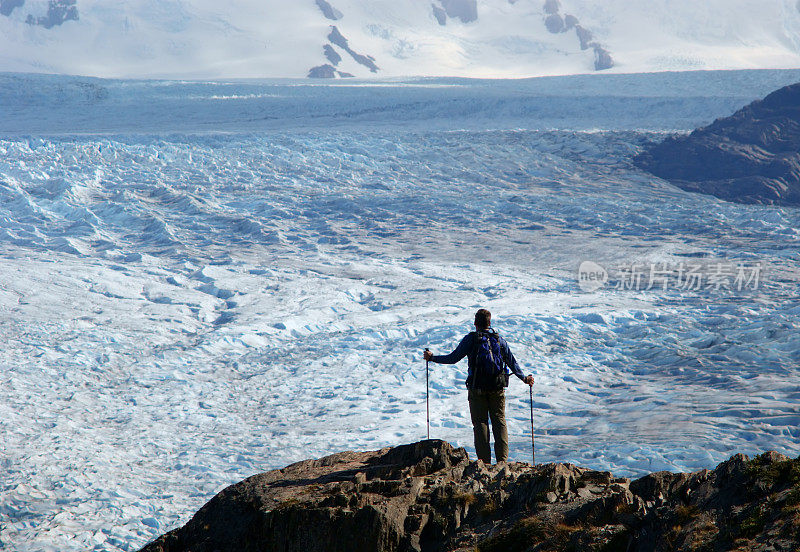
{"x": 429, "y": 496}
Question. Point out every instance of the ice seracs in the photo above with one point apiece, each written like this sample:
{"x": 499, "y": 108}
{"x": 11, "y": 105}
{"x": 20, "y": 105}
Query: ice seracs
{"x": 222, "y": 278}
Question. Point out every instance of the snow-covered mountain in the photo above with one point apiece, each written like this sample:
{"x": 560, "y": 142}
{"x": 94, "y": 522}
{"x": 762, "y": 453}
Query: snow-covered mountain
{"x": 364, "y": 38}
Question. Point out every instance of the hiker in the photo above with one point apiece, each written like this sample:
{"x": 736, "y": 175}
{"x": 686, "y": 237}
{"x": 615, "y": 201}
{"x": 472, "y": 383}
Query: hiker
{"x": 487, "y": 355}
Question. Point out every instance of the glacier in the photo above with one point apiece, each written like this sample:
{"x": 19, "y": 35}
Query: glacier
{"x": 204, "y": 280}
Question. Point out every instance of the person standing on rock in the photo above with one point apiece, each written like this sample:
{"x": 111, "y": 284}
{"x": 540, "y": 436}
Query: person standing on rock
{"x": 489, "y": 359}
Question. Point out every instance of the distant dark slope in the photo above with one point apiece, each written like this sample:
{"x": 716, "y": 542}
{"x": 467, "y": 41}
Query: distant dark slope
{"x": 58, "y": 12}
{"x": 752, "y": 156}
{"x": 7, "y": 6}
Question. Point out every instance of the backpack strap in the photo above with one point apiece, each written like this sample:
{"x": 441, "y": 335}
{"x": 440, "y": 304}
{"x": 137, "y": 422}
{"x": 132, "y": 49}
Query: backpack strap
{"x": 493, "y": 340}
{"x": 480, "y": 333}
{"x": 493, "y": 334}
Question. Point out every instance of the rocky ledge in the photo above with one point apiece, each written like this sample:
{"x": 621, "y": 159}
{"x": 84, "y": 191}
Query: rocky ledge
{"x": 428, "y": 496}
{"x": 752, "y": 156}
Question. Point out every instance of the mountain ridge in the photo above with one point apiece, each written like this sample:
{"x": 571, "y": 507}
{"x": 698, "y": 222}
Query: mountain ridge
{"x": 748, "y": 157}
{"x": 386, "y": 38}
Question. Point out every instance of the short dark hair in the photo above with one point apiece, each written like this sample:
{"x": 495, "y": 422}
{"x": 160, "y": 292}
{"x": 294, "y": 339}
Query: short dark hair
{"x": 483, "y": 319}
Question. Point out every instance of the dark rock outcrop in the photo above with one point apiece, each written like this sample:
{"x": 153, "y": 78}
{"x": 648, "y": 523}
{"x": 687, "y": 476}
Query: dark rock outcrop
{"x": 602, "y": 58}
{"x": 752, "y": 156}
{"x": 7, "y": 6}
{"x": 465, "y": 10}
{"x": 331, "y": 54}
{"x": 552, "y": 7}
{"x": 58, "y": 13}
{"x": 584, "y": 36}
{"x": 329, "y": 11}
{"x": 326, "y": 71}
{"x": 439, "y": 14}
{"x": 339, "y": 40}
{"x": 428, "y": 496}
{"x": 556, "y": 24}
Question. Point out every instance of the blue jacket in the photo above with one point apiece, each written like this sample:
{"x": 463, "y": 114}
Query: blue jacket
{"x": 467, "y": 348}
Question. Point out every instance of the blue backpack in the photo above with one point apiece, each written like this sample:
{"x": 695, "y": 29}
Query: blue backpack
{"x": 490, "y": 369}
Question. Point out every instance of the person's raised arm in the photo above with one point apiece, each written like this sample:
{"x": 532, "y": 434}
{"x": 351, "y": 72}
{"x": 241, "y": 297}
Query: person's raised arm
{"x": 460, "y": 352}
{"x": 511, "y": 362}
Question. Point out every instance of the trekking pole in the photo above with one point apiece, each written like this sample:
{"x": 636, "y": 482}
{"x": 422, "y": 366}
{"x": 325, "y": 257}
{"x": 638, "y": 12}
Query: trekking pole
{"x": 427, "y": 401}
{"x": 533, "y": 444}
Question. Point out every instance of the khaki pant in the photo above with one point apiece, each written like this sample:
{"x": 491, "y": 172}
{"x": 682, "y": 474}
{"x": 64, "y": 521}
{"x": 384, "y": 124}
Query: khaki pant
{"x": 482, "y": 406}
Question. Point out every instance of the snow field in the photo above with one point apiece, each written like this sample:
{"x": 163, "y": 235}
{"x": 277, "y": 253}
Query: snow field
{"x": 208, "y": 39}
